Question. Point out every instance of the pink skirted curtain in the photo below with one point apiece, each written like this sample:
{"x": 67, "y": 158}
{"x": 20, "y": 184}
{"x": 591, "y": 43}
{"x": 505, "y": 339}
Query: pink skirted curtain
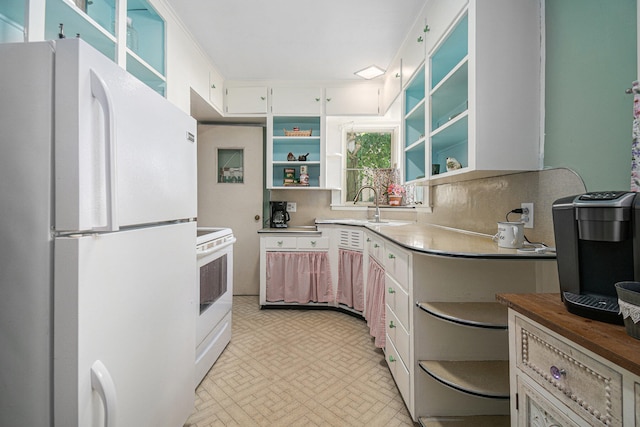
{"x": 350, "y": 279}
{"x": 375, "y": 312}
{"x": 300, "y": 277}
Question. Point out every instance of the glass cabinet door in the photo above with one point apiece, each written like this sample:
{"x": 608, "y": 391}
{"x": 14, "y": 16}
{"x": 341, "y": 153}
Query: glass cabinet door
{"x": 93, "y": 21}
{"x": 449, "y": 94}
{"x": 145, "y": 44}
{"x": 414, "y": 128}
{"x": 12, "y": 21}
{"x": 99, "y": 23}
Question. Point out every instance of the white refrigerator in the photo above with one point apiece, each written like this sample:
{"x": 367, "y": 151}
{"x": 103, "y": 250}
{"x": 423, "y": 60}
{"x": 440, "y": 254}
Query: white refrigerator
{"x": 97, "y": 243}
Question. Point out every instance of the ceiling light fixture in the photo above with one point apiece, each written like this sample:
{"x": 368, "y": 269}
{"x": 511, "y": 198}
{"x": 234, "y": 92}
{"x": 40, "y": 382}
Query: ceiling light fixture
{"x": 371, "y": 72}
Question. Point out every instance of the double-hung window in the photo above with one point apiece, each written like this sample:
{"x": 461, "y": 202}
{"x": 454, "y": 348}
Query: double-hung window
{"x": 370, "y": 160}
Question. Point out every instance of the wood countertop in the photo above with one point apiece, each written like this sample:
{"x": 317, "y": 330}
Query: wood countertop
{"x": 604, "y": 339}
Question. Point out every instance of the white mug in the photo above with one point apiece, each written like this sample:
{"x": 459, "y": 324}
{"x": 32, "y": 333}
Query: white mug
{"x": 510, "y": 235}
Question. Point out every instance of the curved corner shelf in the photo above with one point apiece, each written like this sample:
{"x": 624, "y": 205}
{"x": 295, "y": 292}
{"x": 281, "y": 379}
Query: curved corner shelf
{"x": 465, "y": 421}
{"x": 483, "y": 378}
{"x": 488, "y": 315}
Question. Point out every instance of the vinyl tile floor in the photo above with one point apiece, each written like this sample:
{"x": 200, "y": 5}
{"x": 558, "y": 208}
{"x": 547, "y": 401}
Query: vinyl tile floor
{"x": 288, "y": 367}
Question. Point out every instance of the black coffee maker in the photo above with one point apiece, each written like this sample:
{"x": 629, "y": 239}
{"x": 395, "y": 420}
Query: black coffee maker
{"x": 598, "y": 244}
{"x": 279, "y": 215}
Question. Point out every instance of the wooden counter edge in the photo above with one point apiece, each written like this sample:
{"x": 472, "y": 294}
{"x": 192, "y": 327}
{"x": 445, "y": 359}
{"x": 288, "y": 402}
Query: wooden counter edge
{"x": 608, "y": 341}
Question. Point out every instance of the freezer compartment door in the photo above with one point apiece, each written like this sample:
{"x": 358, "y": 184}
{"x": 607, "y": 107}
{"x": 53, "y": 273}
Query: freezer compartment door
{"x": 124, "y": 327}
{"x": 124, "y": 155}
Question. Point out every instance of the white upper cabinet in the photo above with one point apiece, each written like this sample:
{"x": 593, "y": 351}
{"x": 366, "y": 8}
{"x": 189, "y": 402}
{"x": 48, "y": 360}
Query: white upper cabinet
{"x": 483, "y": 86}
{"x": 296, "y": 100}
{"x": 352, "y": 100}
{"x": 131, "y": 33}
{"x": 412, "y": 51}
{"x": 438, "y": 16}
{"x": 216, "y": 89}
{"x": 246, "y": 100}
{"x": 392, "y": 84}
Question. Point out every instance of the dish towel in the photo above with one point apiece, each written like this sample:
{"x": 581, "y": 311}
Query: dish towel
{"x": 635, "y": 145}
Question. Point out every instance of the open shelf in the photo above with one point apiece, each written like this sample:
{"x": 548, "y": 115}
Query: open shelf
{"x": 483, "y": 378}
{"x": 281, "y": 146}
{"x": 490, "y": 315}
{"x": 466, "y": 421}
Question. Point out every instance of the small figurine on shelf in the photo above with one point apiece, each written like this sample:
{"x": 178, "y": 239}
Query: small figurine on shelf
{"x": 453, "y": 164}
{"x": 395, "y": 192}
{"x": 291, "y": 157}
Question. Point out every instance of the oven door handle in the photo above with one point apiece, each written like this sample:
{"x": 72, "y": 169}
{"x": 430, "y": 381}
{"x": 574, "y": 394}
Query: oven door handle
{"x": 212, "y": 249}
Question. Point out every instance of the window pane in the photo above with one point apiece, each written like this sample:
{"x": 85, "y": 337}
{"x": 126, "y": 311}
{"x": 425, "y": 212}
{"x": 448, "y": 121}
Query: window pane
{"x": 365, "y": 151}
{"x": 230, "y": 165}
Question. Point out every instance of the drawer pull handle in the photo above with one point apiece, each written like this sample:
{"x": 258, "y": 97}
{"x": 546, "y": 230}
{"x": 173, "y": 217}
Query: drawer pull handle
{"x": 391, "y": 325}
{"x": 392, "y": 359}
{"x": 313, "y": 243}
{"x": 280, "y": 242}
{"x": 557, "y": 373}
{"x": 391, "y": 291}
{"x": 392, "y": 256}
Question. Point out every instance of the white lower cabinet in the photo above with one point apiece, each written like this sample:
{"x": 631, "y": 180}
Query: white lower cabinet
{"x": 397, "y": 263}
{"x": 535, "y": 410}
{"x": 459, "y": 336}
{"x": 555, "y": 381}
{"x": 399, "y": 370}
{"x": 281, "y": 250}
{"x": 445, "y": 338}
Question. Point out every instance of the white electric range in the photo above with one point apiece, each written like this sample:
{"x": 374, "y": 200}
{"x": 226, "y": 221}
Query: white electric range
{"x": 214, "y": 251}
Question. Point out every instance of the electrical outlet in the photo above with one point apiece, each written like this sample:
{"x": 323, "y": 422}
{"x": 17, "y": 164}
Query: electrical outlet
{"x": 291, "y": 206}
{"x": 527, "y": 214}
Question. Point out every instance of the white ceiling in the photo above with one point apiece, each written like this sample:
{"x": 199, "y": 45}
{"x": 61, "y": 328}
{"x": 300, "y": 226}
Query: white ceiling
{"x": 297, "y": 39}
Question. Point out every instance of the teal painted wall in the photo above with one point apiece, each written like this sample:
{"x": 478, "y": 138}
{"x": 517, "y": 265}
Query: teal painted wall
{"x": 590, "y": 61}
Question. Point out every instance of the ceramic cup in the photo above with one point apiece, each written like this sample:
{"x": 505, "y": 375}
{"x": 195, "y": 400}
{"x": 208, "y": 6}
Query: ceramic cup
{"x": 510, "y": 235}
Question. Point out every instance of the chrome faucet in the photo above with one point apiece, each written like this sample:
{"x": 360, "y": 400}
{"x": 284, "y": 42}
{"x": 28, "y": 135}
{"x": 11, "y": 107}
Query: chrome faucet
{"x": 376, "y": 215}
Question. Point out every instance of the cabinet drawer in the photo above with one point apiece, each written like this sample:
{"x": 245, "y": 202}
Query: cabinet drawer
{"x": 313, "y": 242}
{"x": 398, "y": 335}
{"x": 375, "y": 246}
{"x": 398, "y": 370}
{"x": 589, "y": 388}
{"x": 396, "y": 263}
{"x": 536, "y": 410}
{"x": 398, "y": 300}
{"x": 280, "y": 242}
{"x": 636, "y": 401}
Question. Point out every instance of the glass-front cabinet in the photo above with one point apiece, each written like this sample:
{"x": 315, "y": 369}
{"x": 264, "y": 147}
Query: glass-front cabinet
{"x": 449, "y": 96}
{"x": 12, "y": 14}
{"x": 134, "y": 38}
{"x": 414, "y": 128}
{"x": 476, "y": 99}
{"x": 295, "y": 152}
{"x": 145, "y": 41}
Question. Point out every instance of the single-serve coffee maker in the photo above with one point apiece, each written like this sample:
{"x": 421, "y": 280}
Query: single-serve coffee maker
{"x": 597, "y": 244}
{"x": 279, "y": 215}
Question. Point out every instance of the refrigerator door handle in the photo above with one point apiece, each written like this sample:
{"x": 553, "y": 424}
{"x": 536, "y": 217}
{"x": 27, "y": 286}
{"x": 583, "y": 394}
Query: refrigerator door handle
{"x": 100, "y": 92}
{"x": 102, "y": 383}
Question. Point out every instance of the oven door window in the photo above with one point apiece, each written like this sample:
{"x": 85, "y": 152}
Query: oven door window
{"x": 213, "y": 281}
